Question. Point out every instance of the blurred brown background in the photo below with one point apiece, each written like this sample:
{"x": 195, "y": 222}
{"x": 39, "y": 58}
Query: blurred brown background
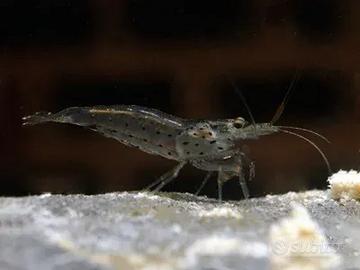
{"x": 174, "y": 56}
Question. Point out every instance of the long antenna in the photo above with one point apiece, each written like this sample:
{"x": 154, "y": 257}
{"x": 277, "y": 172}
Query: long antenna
{"x": 281, "y": 107}
{"x": 307, "y": 130}
{"x": 313, "y": 144}
{"x": 243, "y": 99}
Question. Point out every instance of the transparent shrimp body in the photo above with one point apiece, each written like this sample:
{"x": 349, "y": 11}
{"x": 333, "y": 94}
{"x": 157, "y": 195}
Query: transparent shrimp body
{"x": 210, "y": 145}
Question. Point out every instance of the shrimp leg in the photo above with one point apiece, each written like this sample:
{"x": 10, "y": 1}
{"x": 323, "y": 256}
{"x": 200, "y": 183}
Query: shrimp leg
{"x": 167, "y": 177}
{"x": 243, "y": 185}
{"x": 206, "y": 179}
{"x": 242, "y": 178}
{"x": 220, "y": 181}
{"x": 160, "y": 179}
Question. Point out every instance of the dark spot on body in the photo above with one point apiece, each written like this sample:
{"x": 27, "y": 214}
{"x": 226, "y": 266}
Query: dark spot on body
{"x": 212, "y": 142}
{"x": 196, "y": 144}
{"x": 201, "y": 153}
{"x": 220, "y": 148}
{"x": 201, "y": 128}
{"x": 188, "y": 153}
{"x": 160, "y": 145}
{"x": 169, "y": 153}
{"x": 126, "y": 124}
{"x": 130, "y": 135}
{"x": 143, "y": 128}
{"x": 195, "y": 134}
{"x": 185, "y": 143}
{"x": 210, "y": 134}
{"x": 204, "y": 137}
{"x": 145, "y": 140}
{"x": 169, "y": 135}
{"x": 157, "y": 132}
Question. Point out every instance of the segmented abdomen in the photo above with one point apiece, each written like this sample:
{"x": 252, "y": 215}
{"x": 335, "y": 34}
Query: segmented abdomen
{"x": 150, "y": 130}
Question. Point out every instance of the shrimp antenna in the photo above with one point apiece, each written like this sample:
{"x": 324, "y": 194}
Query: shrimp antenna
{"x": 281, "y": 107}
{"x": 313, "y": 144}
{"x": 307, "y": 130}
{"x": 243, "y": 99}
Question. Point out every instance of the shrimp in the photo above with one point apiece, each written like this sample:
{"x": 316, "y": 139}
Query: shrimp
{"x": 209, "y": 145}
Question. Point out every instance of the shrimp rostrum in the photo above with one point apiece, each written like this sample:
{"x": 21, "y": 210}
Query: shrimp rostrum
{"x": 209, "y": 145}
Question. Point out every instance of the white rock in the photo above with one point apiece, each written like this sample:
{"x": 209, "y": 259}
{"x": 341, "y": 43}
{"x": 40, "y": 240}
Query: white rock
{"x": 297, "y": 242}
{"x": 345, "y": 185}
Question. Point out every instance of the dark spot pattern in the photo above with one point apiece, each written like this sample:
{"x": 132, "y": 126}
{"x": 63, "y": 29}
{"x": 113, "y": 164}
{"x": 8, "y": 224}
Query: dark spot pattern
{"x": 185, "y": 143}
{"x": 220, "y": 148}
{"x": 196, "y": 144}
{"x": 212, "y": 142}
{"x": 201, "y": 153}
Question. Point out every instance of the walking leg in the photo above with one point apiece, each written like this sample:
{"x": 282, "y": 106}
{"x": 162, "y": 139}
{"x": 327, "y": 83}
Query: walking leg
{"x": 207, "y": 177}
{"x": 171, "y": 175}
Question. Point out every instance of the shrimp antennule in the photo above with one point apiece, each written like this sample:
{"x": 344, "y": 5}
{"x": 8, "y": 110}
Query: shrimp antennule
{"x": 243, "y": 99}
{"x": 281, "y": 107}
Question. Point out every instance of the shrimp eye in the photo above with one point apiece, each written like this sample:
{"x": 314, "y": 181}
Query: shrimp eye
{"x": 238, "y": 125}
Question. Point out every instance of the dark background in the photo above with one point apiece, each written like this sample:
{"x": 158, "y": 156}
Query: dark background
{"x": 174, "y": 56}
